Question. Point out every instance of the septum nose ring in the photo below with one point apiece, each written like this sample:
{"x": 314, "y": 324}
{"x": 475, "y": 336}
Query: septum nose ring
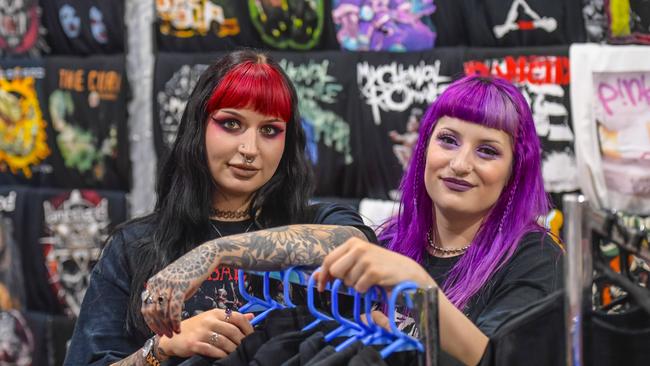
{"x": 247, "y": 159}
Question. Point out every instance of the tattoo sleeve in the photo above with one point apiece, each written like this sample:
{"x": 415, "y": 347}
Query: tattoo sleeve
{"x": 269, "y": 249}
{"x": 281, "y": 247}
{"x": 264, "y": 250}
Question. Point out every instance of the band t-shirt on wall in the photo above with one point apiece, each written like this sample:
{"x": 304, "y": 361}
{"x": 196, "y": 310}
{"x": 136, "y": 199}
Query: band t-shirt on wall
{"x": 294, "y": 24}
{"x": 84, "y": 27}
{"x": 542, "y": 75}
{"x": 87, "y": 115}
{"x": 24, "y": 145}
{"x": 204, "y": 26}
{"x": 324, "y": 85}
{"x": 64, "y": 233}
{"x": 394, "y": 91}
{"x": 21, "y": 33}
{"x": 364, "y": 25}
{"x": 175, "y": 77}
{"x": 509, "y": 23}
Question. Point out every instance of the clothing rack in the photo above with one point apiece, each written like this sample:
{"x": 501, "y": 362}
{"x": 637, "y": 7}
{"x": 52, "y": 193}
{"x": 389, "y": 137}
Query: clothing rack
{"x": 425, "y": 301}
{"x": 583, "y": 223}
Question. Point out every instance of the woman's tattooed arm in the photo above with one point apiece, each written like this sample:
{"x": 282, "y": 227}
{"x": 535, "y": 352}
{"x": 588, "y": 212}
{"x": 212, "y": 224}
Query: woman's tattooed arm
{"x": 264, "y": 250}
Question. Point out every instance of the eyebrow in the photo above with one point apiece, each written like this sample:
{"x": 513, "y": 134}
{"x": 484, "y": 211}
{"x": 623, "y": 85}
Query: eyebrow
{"x": 234, "y": 113}
{"x": 483, "y": 141}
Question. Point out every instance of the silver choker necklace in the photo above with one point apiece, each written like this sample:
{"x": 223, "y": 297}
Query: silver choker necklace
{"x": 445, "y": 251}
{"x": 216, "y": 230}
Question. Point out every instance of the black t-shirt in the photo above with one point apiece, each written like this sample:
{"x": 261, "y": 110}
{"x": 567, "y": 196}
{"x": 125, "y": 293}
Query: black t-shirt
{"x": 533, "y": 272}
{"x": 499, "y": 23}
{"x": 87, "y": 122}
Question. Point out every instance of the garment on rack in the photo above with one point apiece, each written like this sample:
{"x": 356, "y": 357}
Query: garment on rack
{"x": 367, "y": 357}
{"x": 307, "y": 349}
{"x": 537, "y": 329}
{"x": 617, "y": 339}
{"x": 611, "y": 129}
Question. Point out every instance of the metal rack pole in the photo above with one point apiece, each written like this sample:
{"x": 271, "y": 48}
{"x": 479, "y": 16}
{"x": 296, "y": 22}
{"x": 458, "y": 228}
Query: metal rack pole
{"x": 577, "y": 274}
{"x": 426, "y": 301}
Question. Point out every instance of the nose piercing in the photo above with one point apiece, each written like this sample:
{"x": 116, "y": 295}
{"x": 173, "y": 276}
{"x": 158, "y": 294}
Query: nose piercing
{"x": 248, "y": 160}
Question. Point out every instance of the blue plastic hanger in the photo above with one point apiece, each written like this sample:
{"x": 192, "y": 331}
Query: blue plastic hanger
{"x": 403, "y": 341}
{"x": 378, "y": 335}
{"x": 268, "y": 299}
{"x": 347, "y": 327}
{"x": 310, "y": 303}
{"x": 286, "y": 284}
{"x": 365, "y": 330}
{"x": 253, "y": 303}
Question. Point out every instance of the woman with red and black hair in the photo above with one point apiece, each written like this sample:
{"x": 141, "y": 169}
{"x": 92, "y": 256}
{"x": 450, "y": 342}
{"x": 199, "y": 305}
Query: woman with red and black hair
{"x": 237, "y": 180}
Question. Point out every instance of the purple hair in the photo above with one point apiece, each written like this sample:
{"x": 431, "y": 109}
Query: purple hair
{"x": 494, "y": 103}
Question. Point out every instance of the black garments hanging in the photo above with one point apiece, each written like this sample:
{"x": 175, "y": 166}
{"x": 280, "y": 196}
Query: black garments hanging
{"x": 394, "y": 90}
{"x": 204, "y": 26}
{"x": 21, "y": 33}
{"x": 542, "y": 76}
{"x": 617, "y": 339}
{"x": 24, "y": 144}
{"x": 64, "y": 233}
{"x": 278, "y": 322}
{"x": 509, "y": 23}
{"x": 87, "y": 128}
{"x": 84, "y": 27}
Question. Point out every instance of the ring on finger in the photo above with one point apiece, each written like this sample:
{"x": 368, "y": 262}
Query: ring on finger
{"x": 228, "y": 315}
{"x": 214, "y": 338}
{"x": 146, "y": 297}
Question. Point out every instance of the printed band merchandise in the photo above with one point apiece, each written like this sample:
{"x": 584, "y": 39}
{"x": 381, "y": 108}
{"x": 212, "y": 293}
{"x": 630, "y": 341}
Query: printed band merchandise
{"x": 21, "y": 33}
{"x": 24, "y": 145}
{"x": 509, "y": 23}
{"x": 87, "y": 115}
{"x": 394, "y": 90}
{"x": 84, "y": 27}
{"x": 542, "y": 75}
{"x": 204, "y": 26}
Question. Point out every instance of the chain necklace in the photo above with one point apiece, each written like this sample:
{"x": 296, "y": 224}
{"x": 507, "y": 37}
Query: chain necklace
{"x": 221, "y": 235}
{"x": 445, "y": 251}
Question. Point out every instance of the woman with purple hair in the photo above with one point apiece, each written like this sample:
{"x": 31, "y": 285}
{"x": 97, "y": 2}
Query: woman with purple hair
{"x": 471, "y": 198}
